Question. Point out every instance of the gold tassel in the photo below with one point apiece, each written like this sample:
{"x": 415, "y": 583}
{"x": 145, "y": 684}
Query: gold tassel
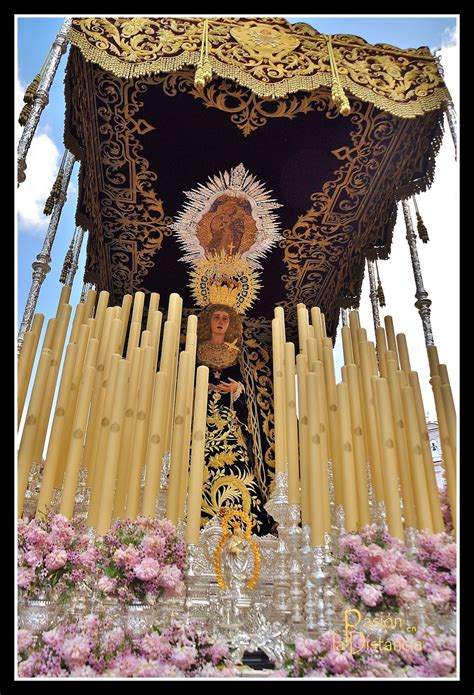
{"x": 337, "y": 92}
{"x": 66, "y": 265}
{"x": 380, "y": 293}
{"x": 25, "y": 113}
{"x": 203, "y": 73}
{"x": 55, "y": 191}
{"x": 420, "y": 225}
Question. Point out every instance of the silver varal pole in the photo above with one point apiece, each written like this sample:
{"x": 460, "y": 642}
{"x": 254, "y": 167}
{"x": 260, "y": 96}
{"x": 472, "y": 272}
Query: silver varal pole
{"x": 450, "y": 110}
{"x": 42, "y": 96}
{"x": 373, "y": 294}
{"x": 344, "y": 316}
{"x": 423, "y": 302}
{"x": 41, "y": 266}
{"x": 76, "y": 250}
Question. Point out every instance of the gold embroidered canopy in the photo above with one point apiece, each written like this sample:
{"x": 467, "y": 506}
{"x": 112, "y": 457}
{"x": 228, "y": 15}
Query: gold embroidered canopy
{"x": 158, "y": 108}
{"x": 270, "y": 56}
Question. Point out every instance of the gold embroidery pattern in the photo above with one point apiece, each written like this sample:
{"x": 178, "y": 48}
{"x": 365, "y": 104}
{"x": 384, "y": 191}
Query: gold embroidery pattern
{"x": 227, "y": 476}
{"x": 132, "y": 219}
{"x": 268, "y": 55}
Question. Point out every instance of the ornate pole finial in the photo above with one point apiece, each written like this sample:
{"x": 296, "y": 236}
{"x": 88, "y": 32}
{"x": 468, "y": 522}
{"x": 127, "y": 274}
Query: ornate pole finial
{"x": 423, "y": 302}
{"x": 41, "y": 96}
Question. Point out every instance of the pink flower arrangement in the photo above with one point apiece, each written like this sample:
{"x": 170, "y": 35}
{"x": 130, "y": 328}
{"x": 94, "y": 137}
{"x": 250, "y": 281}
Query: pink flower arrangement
{"x": 139, "y": 560}
{"x": 437, "y": 555}
{"x": 54, "y": 554}
{"x": 437, "y": 658}
{"x": 374, "y": 573}
{"x": 96, "y": 648}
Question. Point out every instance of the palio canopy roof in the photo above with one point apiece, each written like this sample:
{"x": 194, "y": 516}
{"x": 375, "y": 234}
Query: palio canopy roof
{"x": 146, "y": 134}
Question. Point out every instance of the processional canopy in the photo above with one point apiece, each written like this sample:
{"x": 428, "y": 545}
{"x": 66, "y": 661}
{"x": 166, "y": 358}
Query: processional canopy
{"x": 265, "y": 149}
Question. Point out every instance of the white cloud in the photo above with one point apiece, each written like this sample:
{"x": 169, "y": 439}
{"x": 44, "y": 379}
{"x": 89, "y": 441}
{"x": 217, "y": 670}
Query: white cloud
{"x": 42, "y": 161}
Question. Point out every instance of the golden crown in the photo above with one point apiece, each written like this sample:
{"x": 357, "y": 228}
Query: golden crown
{"x": 224, "y": 291}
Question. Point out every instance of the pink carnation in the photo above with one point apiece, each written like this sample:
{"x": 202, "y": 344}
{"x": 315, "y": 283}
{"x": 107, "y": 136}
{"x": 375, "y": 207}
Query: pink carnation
{"x": 75, "y": 651}
{"x": 441, "y": 663}
{"x": 57, "y": 558}
{"x": 183, "y": 657}
{"x": 147, "y": 569}
{"x": 106, "y": 584}
{"x": 25, "y": 577}
{"x": 394, "y": 584}
{"x": 370, "y": 595}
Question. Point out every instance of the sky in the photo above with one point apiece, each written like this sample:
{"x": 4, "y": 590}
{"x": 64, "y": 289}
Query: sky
{"x": 439, "y": 206}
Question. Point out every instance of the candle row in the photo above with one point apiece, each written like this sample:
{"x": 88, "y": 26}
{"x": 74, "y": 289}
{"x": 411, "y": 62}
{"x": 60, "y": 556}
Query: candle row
{"x": 116, "y": 416}
{"x": 369, "y": 430}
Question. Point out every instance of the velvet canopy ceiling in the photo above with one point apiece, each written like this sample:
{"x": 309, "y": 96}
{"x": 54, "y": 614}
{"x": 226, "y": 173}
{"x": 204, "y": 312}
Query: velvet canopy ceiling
{"x": 146, "y": 135}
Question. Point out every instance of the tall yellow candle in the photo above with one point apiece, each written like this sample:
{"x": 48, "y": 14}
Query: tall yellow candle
{"x": 77, "y": 322}
{"x": 100, "y": 314}
{"x": 420, "y": 489}
{"x": 153, "y": 305}
{"x": 315, "y": 464}
{"x": 55, "y": 450}
{"x": 278, "y": 398}
{"x": 391, "y": 340}
{"x": 197, "y": 456}
{"x": 347, "y": 345}
{"x": 145, "y": 339}
{"x": 75, "y": 448}
{"x": 24, "y": 373}
{"x": 433, "y": 359}
{"x": 191, "y": 344}
{"x": 140, "y": 432}
{"x": 291, "y": 426}
{"x": 303, "y": 323}
{"x": 360, "y": 456}
{"x": 435, "y": 505}
{"x": 302, "y": 370}
{"x": 63, "y": 297}
{"x": 390, "y": 477}
{"x": 104, "y": 516}
{"x": 127, "y": 434}
{"x": 312, "y": 349}
{"x": 279, "y": 313}
{"x": 25, "y": 453}
{"x": 82, "y": 341}
{"x": 167, "y": 365}
{"x": 317, "y": 326}
{"x": 334, "y": 432}
{"x": 403, "y": 352}
{"x": 354, "y": 325}
{"x": 449, "y": 407}
{"x": 97, "y": 478}
{"x": 406, "y": 484}
{"x": 100, "y": 391}
{"x": 36, "y": 328}
{"x": 318, "y": 368}
{"x": 371, "y": 423}
{"x": 137, "y": 311}
{"x": 175, "y": 310}
{"x": 154, "y": 456}
{"x": 448, "y": 458}
{"x": 57, "y": 349}
{"x": 348, "y": 475}
{"x": 373, "y": 358}
{"x": 89, "y": 304}
{"x": 172, "y": 502}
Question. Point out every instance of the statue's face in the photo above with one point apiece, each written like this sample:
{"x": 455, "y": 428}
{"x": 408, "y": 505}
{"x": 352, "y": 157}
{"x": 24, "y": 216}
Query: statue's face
{"x": 219, "y": 322}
